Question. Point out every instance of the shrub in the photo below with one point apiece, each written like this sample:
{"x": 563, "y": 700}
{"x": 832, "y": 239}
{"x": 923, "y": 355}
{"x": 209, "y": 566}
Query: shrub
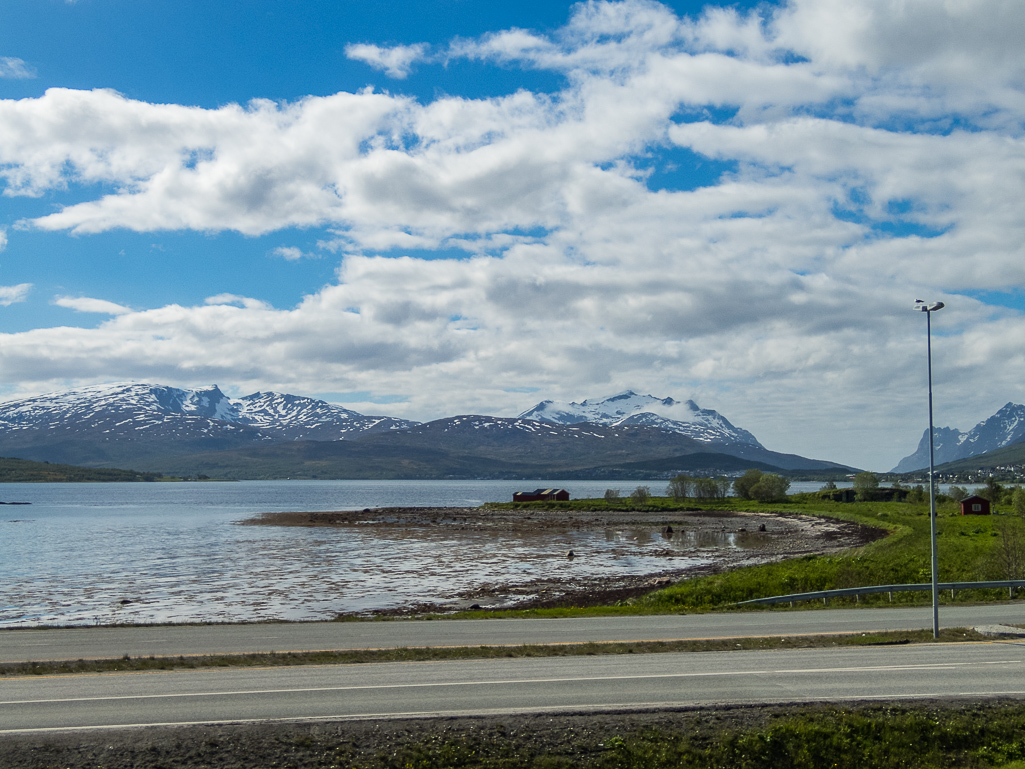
{"x": 770, "y": 488}
{"x": 640, "y": 495}
{"x": 679, "y": 487}
{"x": 744, "y": 484}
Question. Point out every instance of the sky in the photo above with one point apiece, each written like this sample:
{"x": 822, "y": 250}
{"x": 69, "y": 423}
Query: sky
{"x": 430, "y": 209}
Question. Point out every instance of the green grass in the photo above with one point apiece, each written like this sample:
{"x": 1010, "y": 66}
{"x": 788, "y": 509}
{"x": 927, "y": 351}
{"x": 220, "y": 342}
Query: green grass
{"x": 858, "y": 736}
{"x": 971, "y": 548}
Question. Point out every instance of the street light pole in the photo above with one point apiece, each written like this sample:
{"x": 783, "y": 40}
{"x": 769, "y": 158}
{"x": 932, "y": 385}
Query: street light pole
{"x": 929, "y": 309}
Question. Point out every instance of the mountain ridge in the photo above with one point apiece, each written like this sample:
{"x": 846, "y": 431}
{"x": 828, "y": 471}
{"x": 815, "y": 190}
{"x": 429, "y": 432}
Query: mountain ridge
{"x": 165, "y": 429}
{"x": 629, "y": 408}
{"x": 1005, "y": 428}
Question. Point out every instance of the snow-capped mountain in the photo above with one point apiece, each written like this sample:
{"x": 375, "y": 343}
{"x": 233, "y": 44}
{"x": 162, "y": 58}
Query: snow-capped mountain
{"x": 297, "y": 418}
{"x": 273, "y": 435}
{"x": 1005, "y": 427}
{"x": 629, "y": 408}
{"x": 122, "y": 422}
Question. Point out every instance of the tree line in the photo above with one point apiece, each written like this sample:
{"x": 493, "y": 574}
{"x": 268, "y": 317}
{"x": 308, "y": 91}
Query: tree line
{"x": 753, "y": 484}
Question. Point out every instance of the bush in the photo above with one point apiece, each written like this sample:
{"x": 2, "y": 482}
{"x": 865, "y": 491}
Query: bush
{"x": 1018, "y": 501}
{"x": 640, "y": 495}
{"x": 744, "y": 484}
{"x": 679, "y": 487}
{"x": 770, "y": 488}
{"x": 957, "y": 493}
{"x": 917, "y": 495}
{"x": 864, "y": 484}
{"x": 611, "y": 496}
{"x": 712, "y": 488}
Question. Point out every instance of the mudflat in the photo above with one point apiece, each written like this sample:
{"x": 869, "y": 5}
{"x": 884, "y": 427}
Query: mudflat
{"x": 689, "y": 543}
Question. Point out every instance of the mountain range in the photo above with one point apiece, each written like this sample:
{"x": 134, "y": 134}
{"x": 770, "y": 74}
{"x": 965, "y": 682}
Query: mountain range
{"x": 156, "y": 428}
{"x": 629, "y": 408}
{"x": 1004, "y": 428}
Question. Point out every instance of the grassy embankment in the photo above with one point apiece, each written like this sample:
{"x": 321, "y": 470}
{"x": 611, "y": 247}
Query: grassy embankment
{"x": 952, "y": 734}
{"x": 841, "y": 737}
{"x": 971, "y": 548}
{"x": 854, "y": 737}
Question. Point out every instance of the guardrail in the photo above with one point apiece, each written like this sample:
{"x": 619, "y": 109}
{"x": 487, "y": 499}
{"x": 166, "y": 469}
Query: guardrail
{"x": 857, "y": 592}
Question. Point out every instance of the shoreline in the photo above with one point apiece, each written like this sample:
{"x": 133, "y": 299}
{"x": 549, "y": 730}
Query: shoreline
{"x": 721, "y": 539}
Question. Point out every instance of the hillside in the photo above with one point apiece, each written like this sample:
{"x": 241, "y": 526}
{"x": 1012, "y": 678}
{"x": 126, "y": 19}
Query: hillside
{"x": 27, "y": 471}
{"x": 486, "y": 447}
{"x": 1002, "y": 430}
{"x": 1009, "y": 457}
{"x": 157, "y": 428}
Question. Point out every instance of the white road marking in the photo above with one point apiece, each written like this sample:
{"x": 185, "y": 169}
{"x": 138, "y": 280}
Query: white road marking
{"x": 513, "y": 681}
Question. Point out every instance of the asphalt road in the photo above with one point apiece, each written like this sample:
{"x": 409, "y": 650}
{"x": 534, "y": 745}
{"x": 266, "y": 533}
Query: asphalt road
{"x": 510, "y": 686}
{"x": 174, "y": 640}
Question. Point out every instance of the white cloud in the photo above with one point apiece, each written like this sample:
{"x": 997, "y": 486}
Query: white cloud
{"x": 239, "y": 301}
{"x": 3, "y": 238}
{"x": 13, "y": 294}
{"x": 851, "y": 174}
{"x": 290, "y": 253}
{"x": 396, "y": 61}
{"x": 15, "y": 69}
{"x": 86, "y": 304}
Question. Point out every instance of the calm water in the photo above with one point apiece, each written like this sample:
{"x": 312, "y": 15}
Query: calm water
{"x": 83, "y": 554}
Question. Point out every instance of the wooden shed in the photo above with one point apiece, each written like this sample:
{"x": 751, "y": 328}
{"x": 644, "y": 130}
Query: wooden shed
{"x": 974, "y": 505}
{"x": 542, "y": 495}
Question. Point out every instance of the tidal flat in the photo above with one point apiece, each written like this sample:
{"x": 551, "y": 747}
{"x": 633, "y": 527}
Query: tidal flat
{"x": 573, "y": 551}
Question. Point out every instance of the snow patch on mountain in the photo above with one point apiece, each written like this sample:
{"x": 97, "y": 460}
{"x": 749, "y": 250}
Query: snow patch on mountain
{"x": 630, "y": 408}
{"x": 1004, "y": 428}
{"x": 108, "y": 407}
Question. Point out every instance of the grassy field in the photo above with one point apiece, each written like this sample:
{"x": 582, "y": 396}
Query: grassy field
{"x": 971, "y": 548}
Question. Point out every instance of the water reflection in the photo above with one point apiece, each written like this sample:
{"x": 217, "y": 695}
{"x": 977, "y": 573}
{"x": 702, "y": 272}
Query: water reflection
{"x": 100, "y": 553}
{"x": 684, "y": 540}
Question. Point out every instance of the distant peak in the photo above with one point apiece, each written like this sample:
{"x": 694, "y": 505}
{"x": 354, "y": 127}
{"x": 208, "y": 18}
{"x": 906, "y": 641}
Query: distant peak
{"x": 622, "y": 396}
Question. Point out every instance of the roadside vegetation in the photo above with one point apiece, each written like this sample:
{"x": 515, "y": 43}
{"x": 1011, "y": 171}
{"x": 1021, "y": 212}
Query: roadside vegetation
{"x": 931, "y": 735}
{"x": 971, "y": 548}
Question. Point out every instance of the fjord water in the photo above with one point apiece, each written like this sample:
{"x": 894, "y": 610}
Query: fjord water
{"x": 101, "y": 553}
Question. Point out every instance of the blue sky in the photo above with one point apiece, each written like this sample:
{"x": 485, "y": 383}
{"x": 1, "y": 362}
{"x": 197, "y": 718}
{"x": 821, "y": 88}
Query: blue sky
{"x": 433, "y": 208}
{"x": 210, "y": 54}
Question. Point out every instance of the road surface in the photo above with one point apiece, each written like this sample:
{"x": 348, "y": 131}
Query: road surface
{"x": 174, "y": 640}
{"x": 510, "y": 686}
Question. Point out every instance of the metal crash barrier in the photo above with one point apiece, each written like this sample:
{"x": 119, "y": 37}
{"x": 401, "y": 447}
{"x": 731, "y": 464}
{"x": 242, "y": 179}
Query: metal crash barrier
{"x": 857, "y": 592}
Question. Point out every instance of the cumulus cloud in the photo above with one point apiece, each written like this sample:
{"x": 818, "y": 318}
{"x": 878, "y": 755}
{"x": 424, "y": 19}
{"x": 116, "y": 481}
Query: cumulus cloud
{"x": 87, "y": 304}
{"x": 396, "y": 61}
{"x": 863, "y": 153}
{"x": 15, "y": 69}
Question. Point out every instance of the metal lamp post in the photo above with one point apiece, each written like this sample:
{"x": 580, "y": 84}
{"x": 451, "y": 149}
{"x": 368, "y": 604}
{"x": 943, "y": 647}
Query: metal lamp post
{"x": 929, "y": 309}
